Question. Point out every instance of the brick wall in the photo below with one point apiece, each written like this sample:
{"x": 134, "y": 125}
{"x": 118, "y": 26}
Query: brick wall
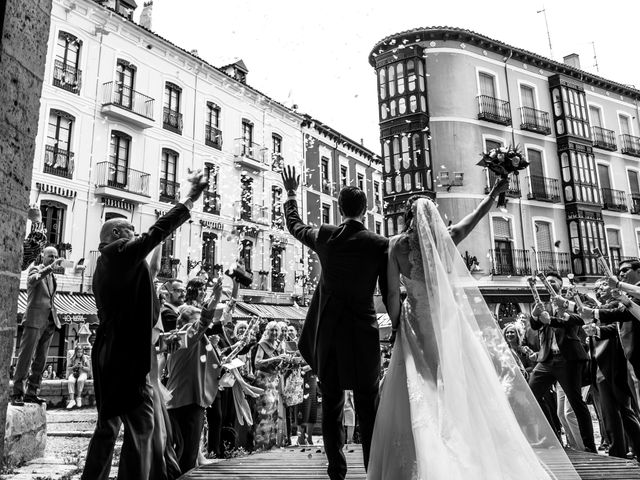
{"x": 25, "y": 30}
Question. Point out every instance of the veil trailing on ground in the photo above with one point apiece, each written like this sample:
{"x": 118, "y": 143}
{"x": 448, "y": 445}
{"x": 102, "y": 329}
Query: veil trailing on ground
{"x": 455, "y": 404}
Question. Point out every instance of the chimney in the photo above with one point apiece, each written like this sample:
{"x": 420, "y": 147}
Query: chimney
{"x": 572, "y": 60}
{"x": 145, "y": 15}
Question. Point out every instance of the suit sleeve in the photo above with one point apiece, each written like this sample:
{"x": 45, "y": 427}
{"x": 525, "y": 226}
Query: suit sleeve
{"x": 535, "y": 323}
{"x": 303, "y": 233}
{"x": 572, "y": 320}
{"x": 612, "y": 315}
{"x": 38, "y": 273}
{"x": 137, "y": 250}
{"x": 608, "y": 331}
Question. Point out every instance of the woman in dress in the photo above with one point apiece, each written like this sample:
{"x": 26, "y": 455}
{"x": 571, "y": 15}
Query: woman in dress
{"x": 269, "y": 421}
{"x": 450, "y": 401}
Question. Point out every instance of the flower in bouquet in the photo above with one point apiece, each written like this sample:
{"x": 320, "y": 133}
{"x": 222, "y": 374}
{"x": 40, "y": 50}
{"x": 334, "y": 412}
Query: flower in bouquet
{"x": 504, "y": 161}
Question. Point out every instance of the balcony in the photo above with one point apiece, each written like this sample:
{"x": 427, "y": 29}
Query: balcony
{"x": 123, "y": 103}
{"x": 252, "y": 155}
{"x": 58, "y": 162}
{"x": 277, "y": 162}
{"x": 277, "y": 219}
{"x": 169, "y": 191}
{"x": 168, "y": 267}
{"x": 634, "y": 203}
{"x": 544, "y": 189}
{"x": 630, "y": 145}
{"x": 603, "y": 138}
{"x": 212, "y": 136}
{"x": 514, "y": 184}
{"x": 67, "y": 77}
{"x": 614, "y": 200}
{"x": 120, "y": 182}
{"x": 211, "y": 203}
{"x": 172, "y": 120}
{"x": 511, "y": 262}
{"x": 247, "y": 212}
{"x": 535, "y": 120}
{"x": 556, "y": 261}
{"x": 494, "y": 110}
{"x": 277, "y": 281}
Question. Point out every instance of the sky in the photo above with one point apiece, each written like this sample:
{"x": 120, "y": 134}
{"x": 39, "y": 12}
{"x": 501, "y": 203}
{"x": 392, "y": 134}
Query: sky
{"x": 315, "y": 54}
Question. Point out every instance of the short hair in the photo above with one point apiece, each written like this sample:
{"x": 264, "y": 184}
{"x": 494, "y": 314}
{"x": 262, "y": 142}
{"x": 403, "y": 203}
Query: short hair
{"x": 554, "y": 274}
{"x": 633, "y": 262}
{"x": 186, "y": 314}
{"x": 352, "y": 201}
{"x": 168, "y": 285}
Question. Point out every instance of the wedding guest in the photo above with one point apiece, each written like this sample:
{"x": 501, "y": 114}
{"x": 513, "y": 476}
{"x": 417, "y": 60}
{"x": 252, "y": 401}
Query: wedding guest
{"x": 77, "y": 372}
{"x": 349, "y": 415}
{"x": 525, "y": 357}
{"x": 49, "y": 373}
{"x": 270, "y": 428}
{"x": 193, "y": 379}
{"x": 195, "y": 292}
{"x": 169, "y": 312}
{"x": 39, "y": 324}
{"x": 308, "y": 410}
{"x": 121, "y": 355}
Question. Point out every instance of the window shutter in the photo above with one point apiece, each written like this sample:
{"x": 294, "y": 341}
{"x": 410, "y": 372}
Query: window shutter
{"x": 501, "y": 228}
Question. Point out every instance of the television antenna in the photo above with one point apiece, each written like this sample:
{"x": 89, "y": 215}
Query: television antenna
{"x": 595, "y": 57}
{"x": 546, "y": 23}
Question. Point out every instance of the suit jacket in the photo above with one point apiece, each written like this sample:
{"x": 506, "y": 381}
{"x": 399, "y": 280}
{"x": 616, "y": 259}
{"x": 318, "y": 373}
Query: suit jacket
{"x": 127, "y": 308}
{"x": 341, "y": 321}
{"x": 610, "y": 358}
{"x": 629, "y": 331}
{"x": 567, "y": 337}
{"x": 40, "y": 298}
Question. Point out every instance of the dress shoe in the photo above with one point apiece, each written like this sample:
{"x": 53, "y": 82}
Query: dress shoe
{"x": 17, "y": 401}
{"x": 31, "y": 398}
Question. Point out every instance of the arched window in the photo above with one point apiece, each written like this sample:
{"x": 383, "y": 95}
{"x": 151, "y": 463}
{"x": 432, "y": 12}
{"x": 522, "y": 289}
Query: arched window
{"x": 66, "y": 73}
{"x": 53, "y": 214}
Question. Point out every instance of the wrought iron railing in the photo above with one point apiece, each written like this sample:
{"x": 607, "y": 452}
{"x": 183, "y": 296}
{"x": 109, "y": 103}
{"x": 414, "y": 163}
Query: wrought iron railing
{"x": 514, "y": 184}
{"x": 535, "y": 120}
{"x": 544, "y": 188}
{"x": 510, "y": 262}
{"x": 169, "y": 190}
{"x": 251, "y": 213}
{"x": 251, "y": 150}
{"x": 58, "y": 162}
{"x": 67, "y": 77}
{"x": 115, "y": 93}
{"x": 603, "y": 138}
{"x": 277, "y": 162}
{"x": 119, "y": 176}
{"x": 212, "y": 136}
{"x": 554, "y": 261}
{"x": 630, "y": 145}
{"x": 172, "y": 120}
{"x": 614, "y": 199}
{"x": 211, "y": 202}
{"x": 494, "y": 110}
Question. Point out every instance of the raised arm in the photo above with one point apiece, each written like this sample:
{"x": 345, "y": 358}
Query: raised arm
{"x": 304, "y": 233}
{"x": 463, "y": 228}
{"x": 38, "y": 273}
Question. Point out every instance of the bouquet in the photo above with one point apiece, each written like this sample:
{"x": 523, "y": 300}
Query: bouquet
{"x": 503, "y": 161}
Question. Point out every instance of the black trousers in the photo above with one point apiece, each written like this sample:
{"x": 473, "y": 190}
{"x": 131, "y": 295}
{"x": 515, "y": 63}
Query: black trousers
{"x": 187, "y": 423}
{"x": 136, "y": 454}
{"x": 569, "y": 376}
{"x": 333, "y": 434}
{"x": 34, "y": 347}
{"x": 220, "y": 416}
{"x": 619, "y": 418}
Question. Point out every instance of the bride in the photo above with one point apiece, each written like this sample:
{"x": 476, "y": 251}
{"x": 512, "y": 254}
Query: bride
{"x": 454, "y": 404}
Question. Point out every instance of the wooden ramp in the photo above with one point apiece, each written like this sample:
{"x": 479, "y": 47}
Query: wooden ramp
{"x": 311, "y": 464}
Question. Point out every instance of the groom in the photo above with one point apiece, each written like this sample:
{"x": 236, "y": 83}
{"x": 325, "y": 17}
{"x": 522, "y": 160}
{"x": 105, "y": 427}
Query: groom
{"x": 339, "y": 339}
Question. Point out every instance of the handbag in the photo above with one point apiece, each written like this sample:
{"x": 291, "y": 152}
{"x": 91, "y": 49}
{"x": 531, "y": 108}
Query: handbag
{"x": 292, "y": 392}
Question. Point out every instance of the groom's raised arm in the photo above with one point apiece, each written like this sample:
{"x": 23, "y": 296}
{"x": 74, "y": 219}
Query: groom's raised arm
{"x": 303, "y": 233}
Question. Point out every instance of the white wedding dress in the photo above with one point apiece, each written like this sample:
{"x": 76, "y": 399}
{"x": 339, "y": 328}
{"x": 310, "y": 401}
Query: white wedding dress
{"x": 454, "y": 404}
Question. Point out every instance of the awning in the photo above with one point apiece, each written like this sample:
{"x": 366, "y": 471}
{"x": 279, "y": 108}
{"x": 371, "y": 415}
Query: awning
{"x": 284, "y": 312}
{"x": 71, "y": 307}
{"x": 500, "y": 294}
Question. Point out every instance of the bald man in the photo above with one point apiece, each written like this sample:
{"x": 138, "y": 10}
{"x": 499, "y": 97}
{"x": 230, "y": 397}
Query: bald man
{"x": 127, "y": 308}
{"x": 39, "y": 324}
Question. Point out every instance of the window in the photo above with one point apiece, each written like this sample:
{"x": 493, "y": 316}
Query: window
{"x": 119, "y": 167}
{"x": 596, "y": 116}
{"x": 66, "y": 73}
{"x": 376, "y": 195}
{"x": 326, "y": 213}
{"x": 344, "y": 175}
{"x": 638, "y": 240}
{"x": 276, "y": 153}
{"x": 360, "y": 178}
{"x": 125, "y": 76}
{"x": 487, "y": 84}
{"x": 167, "y": 267}
{"x": 168, "y": 184}
{"x": 615, "y": 249}
{"x": 209, "y": 240}
{"x": 246, "y": 197}
{"x": 544, "y": 243}
{"x": 53, "y": 219}
{"x": 246, "y": 253}
{"x": 172, "y": 118}
{"x": 378, "y": 228}
{"x": 247, "y": 138}
{"x": 58, "y": 157}
{"x": 625, "y": 125}
{"x": 324, "y": 171}
{"x": 503, "y": 254}
{"x": 277, "y": 277}
{"x": 277, "y": 219}
{"x": 210, "y": 197}
{"x": 213, "y": 134}
{"x": 573, "y": 103}
{"x": 126, "y": 8}
{"x": 527, "y": 96}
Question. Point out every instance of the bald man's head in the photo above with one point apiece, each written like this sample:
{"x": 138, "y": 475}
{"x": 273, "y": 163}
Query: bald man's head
{"x": 49, "y": 255}
{"x": 116, "y": 229}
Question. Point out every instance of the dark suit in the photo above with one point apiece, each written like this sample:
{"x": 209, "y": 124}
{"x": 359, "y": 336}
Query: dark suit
{"x": 615, "y": 394}
{"x": 629, "y": 331}
{"x": 39, "y": 324}
{"x": 127, "y": 308}
{"x": 339, "y": 339}
{"x": 564, "y": 366}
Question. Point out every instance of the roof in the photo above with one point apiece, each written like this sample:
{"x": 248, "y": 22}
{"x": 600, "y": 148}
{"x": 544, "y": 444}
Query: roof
{"x": 239, "y": 64}
{"x": 325, "y": 129}
{"x": 284, "y": 312}
{"x": 71, "y": 307}
{"x": 468, "y": 36}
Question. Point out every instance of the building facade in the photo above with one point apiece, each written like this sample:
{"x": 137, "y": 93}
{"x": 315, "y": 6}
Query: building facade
{"x": 447, "y": 94}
